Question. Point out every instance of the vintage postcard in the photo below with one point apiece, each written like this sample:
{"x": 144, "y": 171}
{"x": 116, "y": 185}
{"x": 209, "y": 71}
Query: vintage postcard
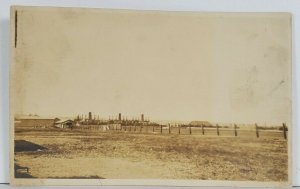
{"x": 127, "y": 97}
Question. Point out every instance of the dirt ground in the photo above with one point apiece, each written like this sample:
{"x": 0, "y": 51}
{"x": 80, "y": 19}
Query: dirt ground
{"x": 55, "y": 153}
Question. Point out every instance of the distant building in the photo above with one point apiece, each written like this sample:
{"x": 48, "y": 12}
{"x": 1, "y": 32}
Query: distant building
{"x": 67, "y": 123}
{"x": 34, "y": 122}
{"x": 200, "y": 123}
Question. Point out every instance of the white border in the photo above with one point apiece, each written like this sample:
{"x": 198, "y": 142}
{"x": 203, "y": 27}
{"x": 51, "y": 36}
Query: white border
{"x": 292, "y": 6}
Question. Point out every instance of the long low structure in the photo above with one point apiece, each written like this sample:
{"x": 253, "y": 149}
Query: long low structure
{"x": 34, "y": 122}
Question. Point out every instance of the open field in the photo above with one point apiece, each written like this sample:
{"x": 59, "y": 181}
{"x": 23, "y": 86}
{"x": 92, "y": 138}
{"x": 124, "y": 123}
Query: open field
{"x": 58, "y": 153}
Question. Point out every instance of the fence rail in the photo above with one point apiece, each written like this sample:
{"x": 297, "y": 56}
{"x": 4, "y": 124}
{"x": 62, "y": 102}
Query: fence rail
{"x": 189, "y": 130}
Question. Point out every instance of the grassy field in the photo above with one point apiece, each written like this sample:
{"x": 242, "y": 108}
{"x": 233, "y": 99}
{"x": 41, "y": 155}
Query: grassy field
{"x": 57, "y": 153}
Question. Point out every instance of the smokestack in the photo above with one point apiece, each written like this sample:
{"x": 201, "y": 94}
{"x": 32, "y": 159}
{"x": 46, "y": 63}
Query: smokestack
{"x": 90, "y": 116}
{"x": 120, "y": 116}
{"x": 142, "y": 117}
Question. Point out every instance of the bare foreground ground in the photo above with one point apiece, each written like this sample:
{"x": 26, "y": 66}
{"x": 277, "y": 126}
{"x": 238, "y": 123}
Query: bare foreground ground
{"x": 54, "y": 153}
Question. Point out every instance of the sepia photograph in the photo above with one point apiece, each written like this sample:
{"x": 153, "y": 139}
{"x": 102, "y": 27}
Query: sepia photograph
{"x": 178, "y": 98}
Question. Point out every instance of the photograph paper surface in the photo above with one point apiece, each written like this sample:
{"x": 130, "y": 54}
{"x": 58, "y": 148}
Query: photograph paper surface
{"x": 118, "y": 97}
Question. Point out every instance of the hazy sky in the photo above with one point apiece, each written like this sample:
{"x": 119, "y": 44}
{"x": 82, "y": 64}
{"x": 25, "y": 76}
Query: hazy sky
{"x": 182, "y": 66}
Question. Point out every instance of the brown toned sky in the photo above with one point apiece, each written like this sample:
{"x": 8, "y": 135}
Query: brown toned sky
{"x": 182, "y": 66}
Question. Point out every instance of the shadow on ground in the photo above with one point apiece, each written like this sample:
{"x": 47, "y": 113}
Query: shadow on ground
{"x": 21, "y": 172}
{"x": 26, "y": 146}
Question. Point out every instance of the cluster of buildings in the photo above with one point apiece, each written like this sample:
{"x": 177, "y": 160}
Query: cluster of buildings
{"x": 42, "y": 122}
{"x": 90, "y": 120}
{"x": 80, "y": 120}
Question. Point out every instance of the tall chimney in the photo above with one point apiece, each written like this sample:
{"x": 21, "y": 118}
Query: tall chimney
{"x": 142, "y": 117}
{"x": 120, "y": 116}
{"x": 90, "y": 116}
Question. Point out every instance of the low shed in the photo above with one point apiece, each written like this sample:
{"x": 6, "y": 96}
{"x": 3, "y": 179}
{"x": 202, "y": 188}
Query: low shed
{"x": 68, "y": 123}
{"x": 200, "y": 123}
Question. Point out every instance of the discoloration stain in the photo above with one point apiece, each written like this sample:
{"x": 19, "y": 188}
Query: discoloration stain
{"x": 276, "y": 87}
{"x": 277, "y": 53}
{"x": 253, "y": 36}
{"x": 246, "y": 92}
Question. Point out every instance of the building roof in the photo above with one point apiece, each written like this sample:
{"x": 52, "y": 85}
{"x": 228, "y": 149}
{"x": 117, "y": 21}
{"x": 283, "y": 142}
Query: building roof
{"x": 64, "y": 121}
{"x": 33, "y": 117}
{"x": 199, "y": 123}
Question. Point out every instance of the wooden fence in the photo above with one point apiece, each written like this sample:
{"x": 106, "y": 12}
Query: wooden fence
{"x": 191, "y": 130}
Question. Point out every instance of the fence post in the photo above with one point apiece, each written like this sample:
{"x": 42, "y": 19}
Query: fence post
{"x": 218, "y": 133}
{"x": 169, "y": 129}
{"x": 161, "y": 129}
{"x": 235, "y": 131}
{"x": 179, "y": 127}
{"x": 284, "y": 130}
{"x": 134, "y": 127}
{"x": 257, "y": 131}
{"x": 129, "y": 127}
{"x": 190, "y": 130}
{"x": 202, "y": 129}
